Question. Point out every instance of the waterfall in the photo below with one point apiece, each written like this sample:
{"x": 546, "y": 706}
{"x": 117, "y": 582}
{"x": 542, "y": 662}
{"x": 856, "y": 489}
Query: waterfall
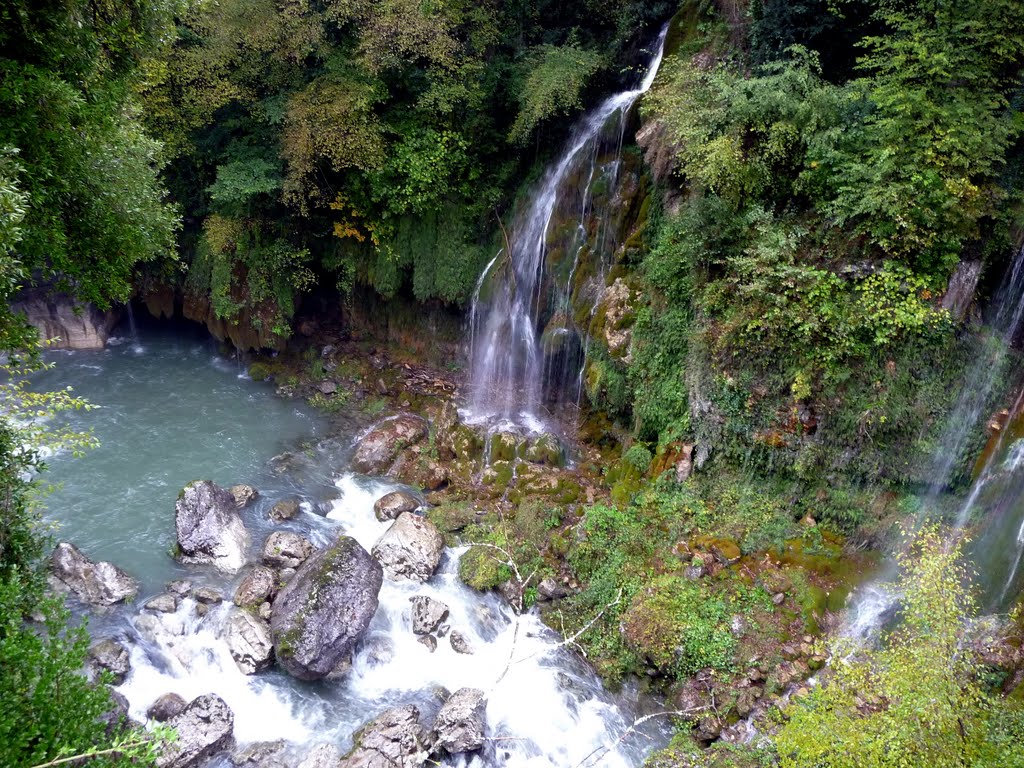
{"x": 508, "y": 368}
{"x": 999, "y": 550}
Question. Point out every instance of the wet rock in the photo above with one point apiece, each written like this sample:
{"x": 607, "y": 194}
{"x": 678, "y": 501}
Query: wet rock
{"x": 427, "y": 614}
{"x": 264, "y": 611}
{"x": 248, "y": 640}
{"x": 96, "y": 583}
{"x": 504, "y": 446}
{"x": 209, "y": 528}
{"x": 165, "y": 603}
{"x": 68, "y": 323}
{"x": 284, "y": 549}
{"x": 284, "y": 510}
{"x": 390, "y": 506}
{"x": 378, "y": 650}
{"x": 459, "y": 726}
{"x": 110, "y": 656}
{"x": 684, "y": 466}
{"x": 429, "y": 641}
{"x": 393, "y": 739}
{"x": 411, "y": 548}
{"x": 207, "y": 596}
{"x": 204, "y": 729}
{"x": 256, "y": 588}
{"x": 414, "y": 468}
{"x": 116, "y": 718}
{"x": 321, "y": 756}
{"x": 547, "y": 450}
{"x": 244, "y": 495}
{"x": 165, "y": 707}
{"x": 179, "y": 587}
{"x": 574, "y": 686}
{"x": 445, "y": 430}
{"x": 460, "y": 644}
{"x": 961, "y": 288}
{"x": 264, "y": 754}
{"x": 322, "y": 612}
{"x": 549, "y": 589}
{"x": 381, "y": 446}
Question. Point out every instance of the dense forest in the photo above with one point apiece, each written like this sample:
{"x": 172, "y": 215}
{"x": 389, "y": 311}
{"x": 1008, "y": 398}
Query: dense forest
{"x": 812, "y": 242}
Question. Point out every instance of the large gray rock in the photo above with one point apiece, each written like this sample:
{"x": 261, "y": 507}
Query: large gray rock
{"x": 324, "y": 609}
{"x": 459, "y": 726}
{"x": 395, "y": 739}
{"x": 204, "y": 728}
{"x": 427, "y": 614}
{"x": 110, "y": 656}
{"x": 248, "y": 640}
{"x": 256, "y": 588}
{"x": 381, "y": 446}
{"x": 58, "y": 316}
{"x": 263, "y": 754}
{"x": 209, "y": 528}
{"x": 391, "y": 505}
{"x": 411, "y": 548}
{"x": 321, "y": 756}
{"x": 97, "y": 583}
{"x": 285, "y": 549}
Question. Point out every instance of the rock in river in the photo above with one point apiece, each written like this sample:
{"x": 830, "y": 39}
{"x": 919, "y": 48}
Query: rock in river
{"x": 95, "y": 583}
{"x": 109, "y": 655}
{"x": 204, "y": 728}
{"x": 381, "y": 446}
{"x": 209, "y": 527}
{"x": 394, "y": 739}
{"x": 427, "y": 614}
{"x": 324, "y": 609}
{"x": 390, "y": 506}
{"x": 256, "y": 588}
{"x": 459, "y": 726}
{"x": 248, "y": 640}
{"x": 411, "y": 548}
{"x": 285, "y": 549}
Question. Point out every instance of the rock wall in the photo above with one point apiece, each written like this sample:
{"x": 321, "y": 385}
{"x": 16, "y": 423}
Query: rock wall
{"x": 67, "y": 324}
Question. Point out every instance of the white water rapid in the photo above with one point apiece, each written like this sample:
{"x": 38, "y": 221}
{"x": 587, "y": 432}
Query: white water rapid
{"x": 507, "y": 361}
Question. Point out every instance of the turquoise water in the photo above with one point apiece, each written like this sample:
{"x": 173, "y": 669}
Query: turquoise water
{"x": 170, "y": 410}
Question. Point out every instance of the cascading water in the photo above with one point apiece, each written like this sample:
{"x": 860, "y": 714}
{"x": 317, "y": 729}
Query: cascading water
{"x": 514, "y": 293}
{"x": 176, "y": 412}
{"x": 875, "y": 602}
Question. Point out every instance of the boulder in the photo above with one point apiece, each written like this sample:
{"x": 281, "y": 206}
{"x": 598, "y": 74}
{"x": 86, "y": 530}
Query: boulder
{"x": 207, "y": 596}
{"x": 546, "y": 449}
{"x": 284, "y": 510}
{"x": 460, "y": 644}
{"x": 165, "y": 707}
{"x": 209, "y": 528}
{"x": 395, "y": 739}
{"x": 248, "y": 640}
{"x": 382, "y": 444}
{"x": 284, "y": 549}
{"x": 58, "y": 316}
{"x": 391, "y": 505}
{"x": 116, "y": 719}
{"x": 549, "y": 589}
{"x": 415, "y": 468}
{"x": 321, "y": 756}
{"x": 96, "y": 583}
{"x": 110, "y": 656}
{"x": 262, "y": 754}
{"x": 428, "y": 641}
{"x": 445, "y": 429}
{"x": 411, "y": 548}
{"x": 204, "y": 728}
{"x": 165, "y": 603}
{"x": 179, "y": 587}
{"x": 427, "y": 614}
{"x": 256, "y": 588}
{"x": 459, "y": 726}
{"x": 244, "y": 495}
{"x": 324, "y": 609}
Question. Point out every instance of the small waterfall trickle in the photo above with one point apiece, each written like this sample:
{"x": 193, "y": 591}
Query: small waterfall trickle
{"x": 994, "y": 553}
{"x": 509, "y": 367}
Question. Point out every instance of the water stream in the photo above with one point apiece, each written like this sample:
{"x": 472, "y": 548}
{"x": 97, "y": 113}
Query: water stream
{"x": 511, "y": 374}
{"x": 172, "y": 410}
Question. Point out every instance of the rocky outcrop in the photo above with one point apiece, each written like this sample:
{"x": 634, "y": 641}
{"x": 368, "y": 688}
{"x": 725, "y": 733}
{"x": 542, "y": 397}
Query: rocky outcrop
{"x": 284, "y": 549}
{"x": 391, "y": 505}
{"x": 459, "y": 726}
{"x": 381, "y": 446}
{"x": 427, "y": 614}
{"x": 321, "y": 756}
{"x": 58, "y": 316}
{"x": 395, "y": 739}
{"x": 209, "y": 528}
{"x": 248, "y": 640}
{"x": 96, "y": 583}
{"x": 165, "y": 707}
{"x": 204, "y": 728}
{"x": 324, "y": 609}
{"x": 415, "y": 467}
{"x": 256, "y": 588}
{"x": 963, "y": 284}
{"x": 411, "y": 548}
{"x": 244, "y": 495}
{"x": 110, "y": 656}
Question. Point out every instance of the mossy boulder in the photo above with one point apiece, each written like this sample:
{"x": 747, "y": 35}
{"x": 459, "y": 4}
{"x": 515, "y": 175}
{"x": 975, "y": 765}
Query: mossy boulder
{"x": 503, "y": 446}
{"x": 545, "y": 449}
{"x": 481, "y": 568}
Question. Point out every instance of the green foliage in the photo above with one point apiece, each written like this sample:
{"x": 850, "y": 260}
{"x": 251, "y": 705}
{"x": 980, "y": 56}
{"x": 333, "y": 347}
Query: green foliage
{"x": 553, "y": 86}
{"x": 917, "y": 701}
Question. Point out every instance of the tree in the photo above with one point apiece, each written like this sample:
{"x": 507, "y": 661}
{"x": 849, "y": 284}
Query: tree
{"x": 918, "y": 700}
